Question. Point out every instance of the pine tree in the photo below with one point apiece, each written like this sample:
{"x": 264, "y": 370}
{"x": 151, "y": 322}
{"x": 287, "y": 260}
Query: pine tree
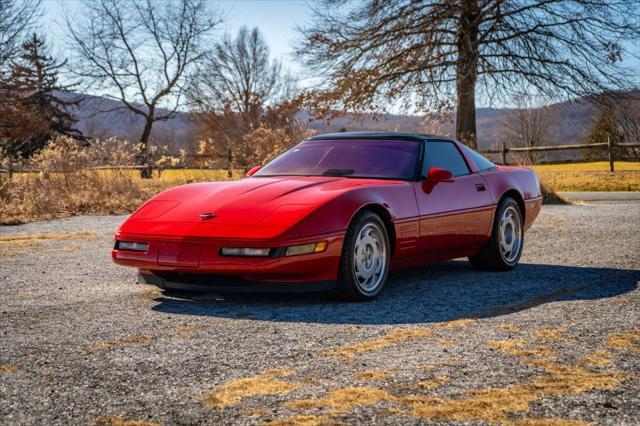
{"x": 605, "y": 128}
{"x": 35, "y": 89}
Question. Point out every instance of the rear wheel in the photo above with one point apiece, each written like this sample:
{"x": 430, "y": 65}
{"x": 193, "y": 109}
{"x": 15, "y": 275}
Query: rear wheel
{"x": 502, "y": 251}
{"x": 364, "y": 264}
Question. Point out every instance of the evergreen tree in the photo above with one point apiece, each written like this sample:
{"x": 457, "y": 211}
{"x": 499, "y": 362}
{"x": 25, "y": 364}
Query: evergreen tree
{"x": 35, "y": 90}
{"x": 605, "y": 127}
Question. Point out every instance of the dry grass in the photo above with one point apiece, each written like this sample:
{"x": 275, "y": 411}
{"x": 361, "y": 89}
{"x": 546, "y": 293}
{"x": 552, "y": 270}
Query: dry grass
{"x": 123, "y": 341}
{"x": 36, "y": 196}
{"x": 549, "y": 195}
{"x": 625, "y": 340}
{"x": 344, "y": 399}
{"x": 264, "y": 384}
{"x": 434, "y": 383}
{"x": 185, "y": 331}
{"x": 519, "y": 348}
{"x": 553, "y": 334}
{"x": 588, "y": 177}
{"x": 304, "y": 420}
{"x": 597, "y": 359}
{"x": 462, "y": 322}
{"x": 446, "y": 363}
{"x": 549, "y": 422}
{"x": 151, "y": 292}
{"x": 6, "y": 368}
{"x": 392, "y": 338}
{"x": 119, "y": 421}
{"x": 18, "y": 244}
{"x": 369, "y": 376}
{"x": 627, "y": 180}
{"x": 497, "y": 405}
{"x": 595, "y": 166}
{"x": 30, "y": 239}
{"x": 46, "y": 196}
{"x": 509, "y": 328}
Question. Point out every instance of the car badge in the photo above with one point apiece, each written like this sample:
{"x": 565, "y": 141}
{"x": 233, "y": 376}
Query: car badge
{"x": 207, "y": 216}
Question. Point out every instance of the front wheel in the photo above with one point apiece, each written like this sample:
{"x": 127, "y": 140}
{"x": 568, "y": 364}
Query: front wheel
{"x": 502, "y": 251}
{"x": 364, "y": 264}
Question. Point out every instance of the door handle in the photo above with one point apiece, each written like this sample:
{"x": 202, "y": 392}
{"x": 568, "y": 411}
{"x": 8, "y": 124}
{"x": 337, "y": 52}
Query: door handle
{"x": 480, "y": 187}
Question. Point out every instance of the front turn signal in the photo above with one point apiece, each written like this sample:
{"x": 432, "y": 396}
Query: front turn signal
{"x": 306, "y": 248}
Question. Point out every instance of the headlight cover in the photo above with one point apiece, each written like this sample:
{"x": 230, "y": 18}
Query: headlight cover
{"x": 245, "y": 251}
{"x": 131, "y": 246}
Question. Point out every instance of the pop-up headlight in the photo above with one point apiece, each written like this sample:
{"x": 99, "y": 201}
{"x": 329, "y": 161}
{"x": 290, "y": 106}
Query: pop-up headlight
{"x": 244, "y": 251}
{"x": 131, "y": 246}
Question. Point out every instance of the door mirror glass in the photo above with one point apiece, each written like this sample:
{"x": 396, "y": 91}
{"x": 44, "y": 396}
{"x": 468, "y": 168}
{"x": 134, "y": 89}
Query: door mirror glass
{"x": 437, "y": 174}
{"x": 253, "y": 171}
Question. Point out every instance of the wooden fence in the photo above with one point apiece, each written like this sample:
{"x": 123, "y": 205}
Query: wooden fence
{"x": 503, "y": 152}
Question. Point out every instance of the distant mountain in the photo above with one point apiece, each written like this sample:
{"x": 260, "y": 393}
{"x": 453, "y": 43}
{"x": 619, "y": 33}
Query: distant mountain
{"x": 570, "y": 122}
{"x": 103, "y": 118}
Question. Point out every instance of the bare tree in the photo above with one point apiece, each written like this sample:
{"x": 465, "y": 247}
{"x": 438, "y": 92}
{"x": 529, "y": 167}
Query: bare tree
{"x": 628, "y": 117}
{"x": 141, "y": 52}
{"x": 528, "y": 125}
{"x": 618, "y": 121}
{"x": 16, "y": 20}
{"x": 429, "y": 53}
{"x": 17, "y": 123}
{"x": 237, "y": 90}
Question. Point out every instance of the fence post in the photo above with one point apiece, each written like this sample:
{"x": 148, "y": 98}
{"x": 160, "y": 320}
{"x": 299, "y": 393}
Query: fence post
{"x": 610, "y": 148}
{"x": 504, "y": 153}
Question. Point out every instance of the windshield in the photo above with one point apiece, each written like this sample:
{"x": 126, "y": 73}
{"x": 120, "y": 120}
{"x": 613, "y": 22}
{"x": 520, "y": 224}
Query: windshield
{"x": 352, "y": 158}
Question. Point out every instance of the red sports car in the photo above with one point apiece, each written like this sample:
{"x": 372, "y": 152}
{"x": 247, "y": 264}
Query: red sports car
{"x": 335, "y": 211}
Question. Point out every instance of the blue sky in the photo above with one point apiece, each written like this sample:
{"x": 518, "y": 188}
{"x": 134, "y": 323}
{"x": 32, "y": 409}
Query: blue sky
{"x": 275, "y": 18}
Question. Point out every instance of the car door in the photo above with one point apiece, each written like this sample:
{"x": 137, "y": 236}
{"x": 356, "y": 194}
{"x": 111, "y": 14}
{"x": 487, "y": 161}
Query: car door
{"x": 453, "y": 215}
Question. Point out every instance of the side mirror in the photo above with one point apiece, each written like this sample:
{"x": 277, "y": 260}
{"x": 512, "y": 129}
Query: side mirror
{"x": 437, "y": 174}
{"x": 253, "y": 171}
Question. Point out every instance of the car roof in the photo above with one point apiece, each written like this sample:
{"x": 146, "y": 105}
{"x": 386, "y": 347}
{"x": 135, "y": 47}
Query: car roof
{"x": 377, "y": 136}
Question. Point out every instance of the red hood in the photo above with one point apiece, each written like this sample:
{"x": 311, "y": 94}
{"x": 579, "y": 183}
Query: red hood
{"x": 249, "y": 208}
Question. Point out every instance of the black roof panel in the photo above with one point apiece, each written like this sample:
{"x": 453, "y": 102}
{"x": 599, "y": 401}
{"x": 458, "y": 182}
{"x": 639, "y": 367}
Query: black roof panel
{"x": 376, "y": 135}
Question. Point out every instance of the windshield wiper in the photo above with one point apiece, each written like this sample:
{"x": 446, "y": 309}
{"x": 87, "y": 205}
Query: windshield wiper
{"x": 338, "y": 172}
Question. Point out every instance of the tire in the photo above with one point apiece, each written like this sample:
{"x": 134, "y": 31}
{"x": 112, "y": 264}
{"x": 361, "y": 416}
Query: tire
{"x": 503, "y": 250}
{"x": 364, "y": 264}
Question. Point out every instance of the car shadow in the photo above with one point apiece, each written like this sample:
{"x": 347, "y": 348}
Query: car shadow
{"x": 433, "y": 293}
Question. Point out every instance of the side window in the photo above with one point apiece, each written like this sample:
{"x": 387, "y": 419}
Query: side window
{"x": 445, "y": 156}
{"x": 481, "y": 162}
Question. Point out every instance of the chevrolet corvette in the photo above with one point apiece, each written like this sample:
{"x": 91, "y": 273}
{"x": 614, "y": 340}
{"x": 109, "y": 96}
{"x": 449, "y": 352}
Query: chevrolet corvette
{"x": 337, "y": 211}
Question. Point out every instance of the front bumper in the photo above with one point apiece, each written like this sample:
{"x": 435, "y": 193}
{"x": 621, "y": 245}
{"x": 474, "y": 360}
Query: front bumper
{"x": 202, "y": 256}
{"x": 226, "y": 284}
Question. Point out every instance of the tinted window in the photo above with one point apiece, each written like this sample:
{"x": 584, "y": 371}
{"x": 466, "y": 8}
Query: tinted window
{"x": 377, "y": 159}
{"x": 481, "y": 162}
{"x": 444, "y": 155}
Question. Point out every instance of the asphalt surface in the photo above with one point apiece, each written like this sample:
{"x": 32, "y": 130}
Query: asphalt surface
{"x": 555, "y": 341}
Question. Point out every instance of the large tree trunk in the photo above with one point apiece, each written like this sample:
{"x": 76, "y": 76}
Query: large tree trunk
{"x": 146, "y": 172}
{"x": 467, "y": 73}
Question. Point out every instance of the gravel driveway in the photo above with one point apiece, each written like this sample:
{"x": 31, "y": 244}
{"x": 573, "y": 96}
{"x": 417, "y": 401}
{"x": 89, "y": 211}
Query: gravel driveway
{"x": 556, "y": 341}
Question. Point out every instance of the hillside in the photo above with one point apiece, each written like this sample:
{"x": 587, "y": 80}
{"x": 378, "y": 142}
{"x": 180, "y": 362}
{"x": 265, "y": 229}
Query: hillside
{"x": 571, "y": 121}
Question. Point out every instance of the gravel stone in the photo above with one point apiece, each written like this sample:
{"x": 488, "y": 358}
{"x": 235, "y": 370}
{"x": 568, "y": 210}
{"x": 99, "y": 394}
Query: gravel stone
{"x": 82, "y": 342}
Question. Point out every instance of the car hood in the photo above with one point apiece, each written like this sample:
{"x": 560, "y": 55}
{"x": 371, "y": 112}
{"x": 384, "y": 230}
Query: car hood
{"x": 256, "y": 207}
